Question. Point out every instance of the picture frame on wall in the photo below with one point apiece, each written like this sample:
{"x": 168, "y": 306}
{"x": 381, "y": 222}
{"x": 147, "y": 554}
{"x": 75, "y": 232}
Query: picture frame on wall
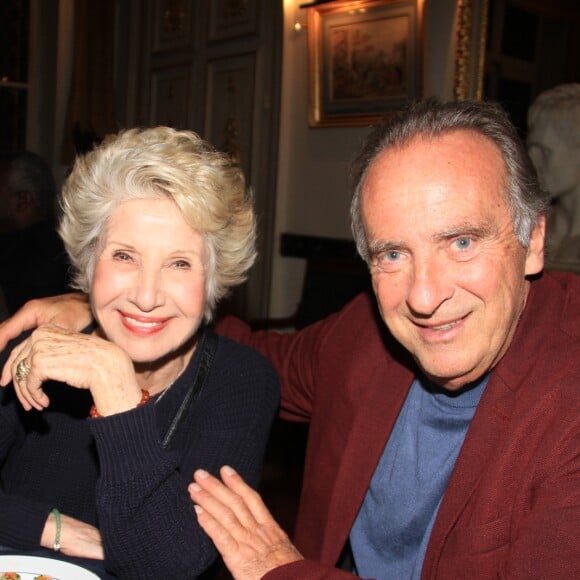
{"x": 472, "y": 24}
{"x": 365, "y": 60}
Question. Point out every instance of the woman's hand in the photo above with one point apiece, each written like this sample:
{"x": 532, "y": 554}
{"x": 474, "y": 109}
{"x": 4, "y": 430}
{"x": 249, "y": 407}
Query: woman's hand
{"x": 234, "y": 516}
{"x": 77, "y": 538}
{"x": 69, "y": 311}
{"x": 79, "y": 360}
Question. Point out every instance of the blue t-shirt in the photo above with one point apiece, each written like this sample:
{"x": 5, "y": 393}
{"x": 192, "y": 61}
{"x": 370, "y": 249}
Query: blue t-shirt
{"x": 390, "y": 534}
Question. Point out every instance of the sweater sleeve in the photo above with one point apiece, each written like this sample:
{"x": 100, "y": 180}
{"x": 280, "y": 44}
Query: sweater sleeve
{"x": 21, "y": 520}
{"x": 146, "y": 516}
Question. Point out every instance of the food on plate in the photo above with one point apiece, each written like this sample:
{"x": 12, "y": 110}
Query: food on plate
{"x": 16, "y": 576}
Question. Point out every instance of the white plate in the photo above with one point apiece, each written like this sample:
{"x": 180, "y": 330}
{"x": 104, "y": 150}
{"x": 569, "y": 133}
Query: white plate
{"x": 30, "y": 566}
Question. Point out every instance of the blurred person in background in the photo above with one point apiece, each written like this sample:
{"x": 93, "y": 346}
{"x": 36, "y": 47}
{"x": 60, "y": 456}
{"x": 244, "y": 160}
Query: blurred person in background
{"x": 33, "y": 261}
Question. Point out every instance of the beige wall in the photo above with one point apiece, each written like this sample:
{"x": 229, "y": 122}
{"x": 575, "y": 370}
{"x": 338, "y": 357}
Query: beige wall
{"x": 313, "y": 196}
{"x": 312, "y": 189}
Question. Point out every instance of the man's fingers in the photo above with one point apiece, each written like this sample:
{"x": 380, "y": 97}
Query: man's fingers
{"x": 22, "y": 320}
{"x": 67, "y": 310}
{"x": 223, "y": 540}
{"x": 235, "y": 505}
{"x": 241, "y": 527}
{"x": 236, "y": 494}
{"x": 221, "y": 502}
{"x": 251, "y": 498}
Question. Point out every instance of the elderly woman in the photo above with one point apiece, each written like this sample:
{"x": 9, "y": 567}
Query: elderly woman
{"x": 103, "y": 429}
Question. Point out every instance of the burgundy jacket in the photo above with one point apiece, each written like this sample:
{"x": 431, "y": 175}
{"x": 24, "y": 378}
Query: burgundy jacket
{"x": 512, "y": 505}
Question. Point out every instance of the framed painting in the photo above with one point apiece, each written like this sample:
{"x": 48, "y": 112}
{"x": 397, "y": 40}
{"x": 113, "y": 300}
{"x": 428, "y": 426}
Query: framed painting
{"x": 472, "y": 23}
{"x": 364, "y": 59}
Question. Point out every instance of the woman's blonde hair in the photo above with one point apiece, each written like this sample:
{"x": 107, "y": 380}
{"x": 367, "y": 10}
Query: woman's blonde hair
{"x": 207, "y": 186}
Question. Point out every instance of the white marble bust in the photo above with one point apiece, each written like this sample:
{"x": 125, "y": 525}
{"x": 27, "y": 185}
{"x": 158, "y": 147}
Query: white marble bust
{"x": 554, "y": 146}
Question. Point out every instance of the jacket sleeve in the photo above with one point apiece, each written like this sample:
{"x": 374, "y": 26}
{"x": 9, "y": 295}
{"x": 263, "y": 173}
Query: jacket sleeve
{"x": 308, "y": 569}
{"x": 300, "y": 358}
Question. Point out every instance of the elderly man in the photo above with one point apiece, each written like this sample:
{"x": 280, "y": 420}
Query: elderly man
{"x": 446, "y": 445}
{"x": 444, "y": 433}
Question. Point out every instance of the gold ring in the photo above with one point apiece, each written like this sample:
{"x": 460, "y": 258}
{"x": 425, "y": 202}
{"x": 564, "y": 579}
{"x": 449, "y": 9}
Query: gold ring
{"x": 22, "y": 370}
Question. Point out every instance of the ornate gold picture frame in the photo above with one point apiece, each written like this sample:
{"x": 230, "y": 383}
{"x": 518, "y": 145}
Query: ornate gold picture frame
{"x": 472, "y": 22}
{"x": 364, "y": 59}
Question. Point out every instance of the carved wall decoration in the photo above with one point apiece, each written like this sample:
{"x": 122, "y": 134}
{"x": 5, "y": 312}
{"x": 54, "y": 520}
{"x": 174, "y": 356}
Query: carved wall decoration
{"x": 170, "y": 97}
{"x": 230, "y": 18}
{"x": 230, "y": 104}
{"x": 173, "y": 24}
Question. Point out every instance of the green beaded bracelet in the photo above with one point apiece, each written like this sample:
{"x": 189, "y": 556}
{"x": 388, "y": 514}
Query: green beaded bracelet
{"x": 56, "y": 545}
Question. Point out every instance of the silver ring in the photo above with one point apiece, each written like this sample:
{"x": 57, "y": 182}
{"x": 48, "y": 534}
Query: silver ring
{"x": 22, "y": 370}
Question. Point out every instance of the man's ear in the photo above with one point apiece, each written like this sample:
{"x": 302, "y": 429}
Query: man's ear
{"x": 535, "y": 255}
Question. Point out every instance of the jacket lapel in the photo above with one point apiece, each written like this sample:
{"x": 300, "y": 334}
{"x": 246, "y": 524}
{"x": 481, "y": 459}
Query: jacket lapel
{"x": 489, "y": 423}
{"x": 484, "y": 434}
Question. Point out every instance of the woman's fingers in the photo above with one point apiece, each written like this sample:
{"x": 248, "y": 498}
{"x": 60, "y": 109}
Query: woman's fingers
{"x": 28, "y": 387}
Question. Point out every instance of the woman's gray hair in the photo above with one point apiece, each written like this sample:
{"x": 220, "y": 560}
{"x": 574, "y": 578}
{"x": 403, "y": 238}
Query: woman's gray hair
{"x": 432, "y": 118}
{"x": 207, "y": 186}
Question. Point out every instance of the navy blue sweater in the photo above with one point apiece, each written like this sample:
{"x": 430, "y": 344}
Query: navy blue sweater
{"x": 113, "y": 472}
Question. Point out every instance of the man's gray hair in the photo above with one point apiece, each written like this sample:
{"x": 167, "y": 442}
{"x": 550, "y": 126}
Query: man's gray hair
{"x": 432, "y": 118}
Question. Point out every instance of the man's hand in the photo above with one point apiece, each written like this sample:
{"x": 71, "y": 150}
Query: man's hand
{"x": 241, "y": 527}
{"x": 70, "y": 311}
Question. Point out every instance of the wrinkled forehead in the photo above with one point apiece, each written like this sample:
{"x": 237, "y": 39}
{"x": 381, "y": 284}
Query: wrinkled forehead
{"x": 458, "y": 150}
{"x": 460, "y": 167}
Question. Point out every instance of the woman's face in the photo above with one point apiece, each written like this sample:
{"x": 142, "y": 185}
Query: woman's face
{"x": 148, "y": 291}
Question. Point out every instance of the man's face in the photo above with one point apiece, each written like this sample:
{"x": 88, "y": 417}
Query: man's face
{"x": 447, "y": 269}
